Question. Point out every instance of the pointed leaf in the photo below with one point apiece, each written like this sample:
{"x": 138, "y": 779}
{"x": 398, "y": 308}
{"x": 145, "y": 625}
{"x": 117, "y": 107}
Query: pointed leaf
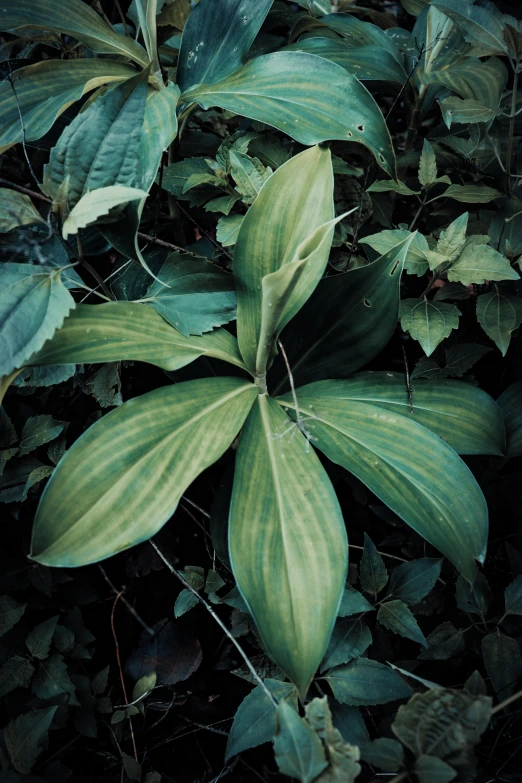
{"x": 453, "y": 238}
{"x": 396, "y": 616}
{"x": 166, "y": 438}
{"x": 351, "y": 638}
{"x": 474, "y": 598}
{"x": 430, "y": 769}
{"x": 353, "y": 602}
{"x": 52, "y": 679}
{"x": 499, "y": 314}
{"x": 39, "y": 430}
{"x": 483, "y": 28}
{"x": 415, "y": 259}
{"x": 23, "y": 736}
{"x": 15, "y": 673}
{"x": 298, "y": 750}
{"x": 277, "y": 537}
{"x": 428, "y": 322}
{"x": 510, "y": 403}
{"x": 478, "y": 263}
{"x": 503, "y": 662}
{"x": 39, "y": 640}
{"x": 10, "y": 612}
{"x": 411, "y": 582}
{"x": 374, "y": 575}
{"x": 16, "y": 209}
{"x": 365, "y": 682}
{"x": 309, "y": 98}
{"x": 160, "y": 128}
{"x": 427, "y": 165}
{"x": 97, "y": 203}
{"x": 513, "y": 597}
{"x": 472, "y": 194}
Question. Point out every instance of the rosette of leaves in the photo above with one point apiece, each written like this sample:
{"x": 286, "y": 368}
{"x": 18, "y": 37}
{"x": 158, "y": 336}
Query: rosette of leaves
{"x": 121, "y": 481}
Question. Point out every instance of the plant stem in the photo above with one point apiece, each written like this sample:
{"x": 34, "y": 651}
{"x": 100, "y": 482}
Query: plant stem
{"x": 511, "y": 131}
{"x": 118, "y": 659}
{"x": 417, "y": 214}
{"x": 414, "y": 120}
{"x": 21, "y": 189}
{"x": 506, "y": 702}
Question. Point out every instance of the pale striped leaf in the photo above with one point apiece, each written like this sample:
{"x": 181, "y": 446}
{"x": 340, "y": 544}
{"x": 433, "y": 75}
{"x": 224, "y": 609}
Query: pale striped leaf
{"x": 510, "y": 403}
{"x": 122, "y": 480}
{"x": 160, "y": 126}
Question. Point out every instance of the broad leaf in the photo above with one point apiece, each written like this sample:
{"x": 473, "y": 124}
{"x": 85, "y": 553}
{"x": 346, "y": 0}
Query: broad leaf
{"x": 298, "y": 750}
{"x": 475, "y": 598}
{"x": 499, "y": 314}
{"x": 353, "y": 602}
{"x": 160, "y": 127}
{"x": 52, "y": 680}
{"x": 216, "y": 39}
{"x": 74, "y": 18}
{"x": 510, "y": 403}
{"x": 10, "y": 612}
{"x": 192, "y": 295}
{"x": 119, "y": 331}
{"x": 479, "y": 262}
{"x": 15, "y": 673}
{"x": 287, "y": 541}
{"x": 44, "y": 90}
{"x": 430, "y": 769}
{"x": 39, "y": 639}
{"x": 513, "y": 597}
{"x": 16, "y": 209}
{"x": 428, "y": 322}
{"x": 38, "y": 430}
{"x": 97, "y": 203}
{"x": 295, "y": 202}
{"x": 34, "y": 304}
{"x": 483, "y": 28}
{"x": 351, "y": 638}
{"x": 405, "y": 465}
{"x": 100, "y": 146}
{"x": 385, "y": 753}
{"x": 309, "y": 98}
{"x": 396, "y": 616}
{"x": 471, "y": 194}
{"x": 415, "y": 260}
{"x": 95, "y": 506}
{"x": 346, "y": 322}
{"x": 365, "y": 682}
{"x": 503, "y": 662}
{"x": 453, "y": 238}
{"x": 24, "y": 735}
{"x": 411, "y": 582}
{"x": 465, "y": 111}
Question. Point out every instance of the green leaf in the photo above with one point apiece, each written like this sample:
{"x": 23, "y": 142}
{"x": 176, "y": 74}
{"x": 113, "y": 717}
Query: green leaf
{"x": 472, "y": 194}
{"x": 473, "y": 79}
{"x": 23, "y": 737}
{"x": 15, "y": 673}
{"x": 192, "y": 295}
{"x": 216, "y": 39}
{"x": 434, "y": 404}
{"x": 295, "y": 202}
{"x": 459, "y": 359}
{"x": 479, "y": 262}
{"x": 405, "y": 465}
{"x": 350, "y": 723}
{"x": 415, "y": 261}
{"x": 34, "y": 304}
{"x": 52, "y": 679}
{"x": 298, "y": 750}
{"x": 365, "y": 682}
{"x": 160, "y": 128}
{"x": 374, "y": 575}
{"x": 510, "y": 403}
{"x": 130, "y": 765}
{"x": 353, "y": 602}
{"x": 16, "y": 209}
{"x": 120, "y": 331}
{"x": 147, "y": 11}
{"x": 475, "y": 598}
{"x": 280, "y": 527}
{"x": 249, "y": 174}
{"x": 385, "y": 753}
{"x": 342, "y": 757}
{"x": 503, "y": 662}
{"x": 44, "y": 90}
{"x": 453, "y": 238}
{"x": 97, "y": 203}
{"x": 483, "y": 28}
{"x": 411, "y": 582}
{"x": 388, "y": 185}
{"x": 38, "y": 430}
{"x": 427, "y": 165}
{"x": 100, "y": 146}
{"x": 168, "y": 436}
{"x": 499, "y": 314}
{"x": 513, "y": 597}
{"x": 396, "y": 616}
{"x": 74, "y": 18}
{"x": 228, "y": 229}
{"x": 305, "y": 96}
{"x": 428, "y": 322}
{"x": 184, "y": 603}
{"x": 430, "y": 769}
{"x": 443, "y": 643}
{"x": 465, "y": 111}
{"x": 346, "y": 322}
{"x": 255, "y": 720}
{"x": 144, "y": 686}
{"x": 351, "y": 638}
{"x": 39, "y": 640}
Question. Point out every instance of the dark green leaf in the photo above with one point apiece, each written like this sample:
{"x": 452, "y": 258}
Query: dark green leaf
{"x": 349, "y": 721}
{"x": 473, "y": 598}
{"x": 513, "y": 597}
{"x": 52, "y": 679}
{"x": 298, "y": 750}
{"x": 374, "y": 575}
{"x": 365, "y": 682}
{"x": 430, "y": 769}
{"x": 499, "y": 314}
{"x": 503, "y": 662}
{"x": 16, "y": 209}
{"x": 10, "y": 612}
{"x": 23, "y": 737}
{"x": 428, "y": 322}
{"x": 443, "y": 643}
{"x": 411, "y": 582}
{"x": 15, "y": 673}
{"x": 351, "y": 638}
{"x": 387, "y": 754}
{"x": 39, "y": 430}
{"x": 510, "y": 403}
{"x": 396, "y": 616}
{"x": 39, "y": 640}
{"x": 353, "y": 602}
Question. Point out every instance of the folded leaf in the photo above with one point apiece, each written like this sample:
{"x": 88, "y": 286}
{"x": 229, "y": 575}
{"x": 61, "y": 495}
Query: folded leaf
{"x": 97, "y": 203}
{"x": 287, "y": 541}
{"x": 408, "y": 467}
{"x": 122, "y": 480}
{"x": 309, "y": 98}
{"x": 160, "y": 127}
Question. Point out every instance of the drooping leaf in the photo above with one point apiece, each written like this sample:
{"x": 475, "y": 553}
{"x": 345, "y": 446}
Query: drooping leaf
{"x": 147, "y": 11}
{"x": 460, "y": 357}
{"x": 411, "y": 582}
{"x": 309, "y": 98}
{"x": 499, "y": 314}
{"x": 465, "y": 111}
{"x": 34, "y": 304}
{"x": 73, "y": 18}
{"x": 277, "y": 559}
{"x": 228, "y": 229}
{"x": 351, "y": 638}
{"x": 192, "y": 295}
{"x": 365, "y": 682}
{"x": 97, "y": 203}
{"x": 169, "y": 435}
{"x": 510, "y": 403}
{"x": 479, "y": 262}
{"x": 160, "y": 127}
{"x": 16, "y": 209}
{"x": 405, "y": 465}
{"x": 24, "y": 735}
{"x": 428, "y": 322}
{"x": 298, "y": 750}
{"x": 503, "y": 662}
{"x": 216, "y": 39}
{"x": 255, "y": 720}
{"x": 396, "y": 616}
{"x": 471, "y": 194}
{"x": 482, "y": 27}
{"x": 119, "y": 331}
{"x": 39, "y": 640}
{"x": 15, "y": 673}
{"x": 389, "y": 185}
{"x": 374, "y": 575}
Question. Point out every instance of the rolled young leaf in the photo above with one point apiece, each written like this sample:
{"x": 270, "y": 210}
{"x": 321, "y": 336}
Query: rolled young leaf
{"x": 308, "y": 97}
{"x": 287, "y": 541}
{"x": 122, "y": 479}
{"x": 294, "y": 202}
{"x": 408, "y": 467}
{"x": 119, "y": 331}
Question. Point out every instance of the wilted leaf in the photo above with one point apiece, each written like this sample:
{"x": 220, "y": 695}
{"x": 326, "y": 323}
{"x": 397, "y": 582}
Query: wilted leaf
{"x": 342, "y": 757}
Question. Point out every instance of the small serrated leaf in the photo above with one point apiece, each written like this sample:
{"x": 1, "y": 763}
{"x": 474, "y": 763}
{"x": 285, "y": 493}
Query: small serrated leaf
{"x": 396, "y": 616}
{"x": 428, "y": 322}
{"x": 298, "y": 750}
{"x": 374, "y": 575}
{"x": 39, "y": 640}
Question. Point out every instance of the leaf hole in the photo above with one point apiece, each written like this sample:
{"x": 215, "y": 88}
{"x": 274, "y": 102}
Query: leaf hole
{"x": 360, "y": 128}
{"x": 395, "y": 267}
{"x": 367, "y": 303}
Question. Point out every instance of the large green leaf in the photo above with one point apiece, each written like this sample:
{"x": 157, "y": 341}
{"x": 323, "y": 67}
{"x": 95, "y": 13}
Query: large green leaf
{"x": 147, "y": 12}
{"x": 473, "y": 79}
{"x": 347, "y": 321}
{"x": 216, "y": 38}
{"x": 119, "y": 331}
{"x": 71, "y": 17}
{"x": 463, "y": 415}
{"x": 287, "y": 541}
{"x": 44, "y": 90}
{"x": 160, "y": 127}
{"x": 298, "y": 751}
{"x": 100, "y": 146}
{"x": 294, "y": 202}
{"x": 510, "y": 403}
{"x": 33, "y": 305}
{"x": 358, "y": 33}
{"x": 309, "y": 98}
{"x": 122, "y": 480}
{"x": 406, "y": 466}
{"x": 483, "y": 25}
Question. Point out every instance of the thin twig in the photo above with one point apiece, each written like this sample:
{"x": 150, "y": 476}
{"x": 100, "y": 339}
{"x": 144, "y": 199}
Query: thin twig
{"x": 118, "y": 659}
{"x": 506, "y": 702}
{"x": 21, "y": 189}
{"x": 129, "y": 606}
{"x": 22, "y": 125}
{"x": 169, "y": 245}
{"x": 218, "y": 620}
{"x": 205, "y": 233}
{"x": 92, "y": 271}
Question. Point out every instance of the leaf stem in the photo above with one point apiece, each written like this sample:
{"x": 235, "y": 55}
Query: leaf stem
{"x": 511, "y": 131}
{"x": 506, "y": 702}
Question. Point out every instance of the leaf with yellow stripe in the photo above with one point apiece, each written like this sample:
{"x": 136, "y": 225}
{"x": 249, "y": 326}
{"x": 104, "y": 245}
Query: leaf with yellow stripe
{"x": 122, "y": 479}
{"x": 287, "y": 541}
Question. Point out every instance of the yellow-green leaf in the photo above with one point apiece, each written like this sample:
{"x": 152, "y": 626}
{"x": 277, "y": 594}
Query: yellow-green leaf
{"x": 97, "y": 203}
